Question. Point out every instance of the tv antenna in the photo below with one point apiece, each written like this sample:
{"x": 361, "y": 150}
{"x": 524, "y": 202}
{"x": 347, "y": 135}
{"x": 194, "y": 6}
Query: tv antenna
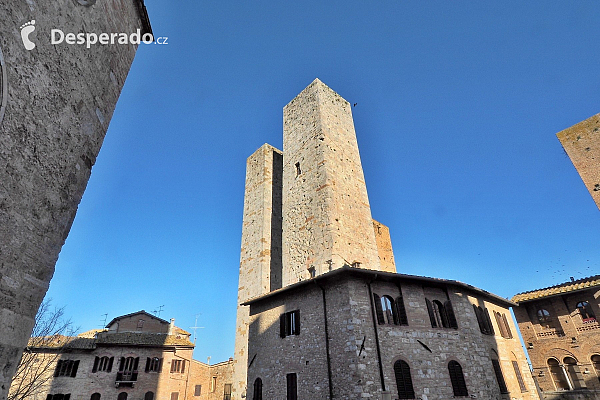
{"x": 195, "y": 327}
{"x": 157, "y": 312}
{"x": 104, "y": 320}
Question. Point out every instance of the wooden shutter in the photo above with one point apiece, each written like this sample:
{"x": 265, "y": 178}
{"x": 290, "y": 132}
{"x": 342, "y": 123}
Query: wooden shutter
{"x": 292, "y": 387}
{"x": 95, "y": 367}
{"x": 74, "y": 369}
{"x": 431, "y": 315}
{"x": 182, "y": 366}
{"x": 500, "y": 324}
{"x": 403, "y": 380}
{"x": 499, "y": 376}
{"x": 67, "y": 396}
{"x": 58, "y": 366}
{"x": 297, "y": 321}
{"x": 507, "y": 327}
{"x": 488, "y": 321}
{"x": 110, "y": 363}
{"x": 378, "y": 309}
{"x": 160, "y": 363}
{"x": 401, "y": 310}
{"x": 479, "y": 320}
{"x": 147, "y": 364}
{"x": 457, "y": 379}
{"x": 197, "y": 390}
{"x": 174, "y": 395}
{"x": 519, "y": 377}
{"x": 134, "y": 374}
{"x": 282, "y": 325}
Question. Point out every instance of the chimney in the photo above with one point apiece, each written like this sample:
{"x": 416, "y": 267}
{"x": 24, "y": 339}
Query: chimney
{"x": 171, "y": 326}
{"x": 572, "y": 279}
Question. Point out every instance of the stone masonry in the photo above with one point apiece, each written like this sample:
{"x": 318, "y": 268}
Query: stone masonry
{"x": 342, "y": 350}
{"x": 56, "y": 102}
{"x": 582, "y": 144}
{"x": 306, "y": 209}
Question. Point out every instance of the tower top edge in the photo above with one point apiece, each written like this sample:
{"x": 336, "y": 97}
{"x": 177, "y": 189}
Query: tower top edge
{"x": 315, "y": 85}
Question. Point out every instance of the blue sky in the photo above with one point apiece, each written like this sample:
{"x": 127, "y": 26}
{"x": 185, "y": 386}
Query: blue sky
{"x": 458, "y": 107}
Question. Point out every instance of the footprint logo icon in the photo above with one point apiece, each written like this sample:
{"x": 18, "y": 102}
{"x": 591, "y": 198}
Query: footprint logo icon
{"x": 26, "y": 30}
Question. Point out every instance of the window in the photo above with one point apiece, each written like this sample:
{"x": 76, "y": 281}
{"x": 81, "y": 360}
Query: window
{"x": 543, "y": 317}
{"x": 390, "y": 312}
{"x": 596, "y": 364}
{"x": 558, "y": 375}
{"x": 149, "y": 396}
{"x": 140, "y": 324}
{"x": 66, "y": 368}
{"x": 585, "y": 310}
{"x": 227, "y": 392}
{"x": 213, "y": 384}
{"x": 95, "y": 396}
{"x": 312, "y": 272}
{"x": 153, "y": 364}
{"x": 58, "y": 396}
{"x": 441, "y": 315}
{"x": 499, "y": 376}
{"x": 178, "y": 365}
{"x": 298, "y": 171}
{"x": 484, "y": 320}
{"x": 403, "y": 380}
{"x": 457, "y": 379}
{"x": 103, "y": 364}
{"x": 519, "y": 376}
{"x": 174, "y": 395}
{"x": 197, "y": 390}
{"x": 128, "y": 370}
{"x": 292, "y": 387}
{"x": 257, "y": 389}
{"x": 502, "y": 322}
{"x": 122, "y": 396}
{"x": 289, "y": 323}
{"x": 574, "y": 372}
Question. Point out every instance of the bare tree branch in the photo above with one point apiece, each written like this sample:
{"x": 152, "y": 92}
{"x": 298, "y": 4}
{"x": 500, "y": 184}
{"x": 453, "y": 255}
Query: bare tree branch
{"x": 51, "y": 333}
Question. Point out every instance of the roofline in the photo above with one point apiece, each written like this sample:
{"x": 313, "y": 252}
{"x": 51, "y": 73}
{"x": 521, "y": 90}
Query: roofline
{"x": 133, "y": 313}
{"x": 557, "y": 287}
{"x": 379, "y": 274}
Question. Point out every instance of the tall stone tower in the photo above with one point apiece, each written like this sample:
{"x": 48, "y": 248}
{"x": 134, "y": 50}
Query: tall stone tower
{"x": 582, "y": 144}
{"x": 56, "y": 102}
{"x": 306, "y": 210}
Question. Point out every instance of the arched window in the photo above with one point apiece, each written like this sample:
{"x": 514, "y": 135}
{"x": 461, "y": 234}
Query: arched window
{"x": 403, "y": 380}
{"x": 574, "y": 372}
{"x": 441, "y": 315}
{"x": 257, "y": 389}
{"x": 585, "y": 310}
{"x": 558, "y": 375}
{"x": 596, "y": 364}
{"x": 149, "y": 396}
{"x": 483, "y": 319}
{"x": 387, "y": 306}
{"x": 122, "y": 396}
{"x": 457, "y": 379}
{"x": 498, "y": 372}
{"x": 543, "y": 315}
{"x": 128, "y": 369}
{"x": 95, "y": 396}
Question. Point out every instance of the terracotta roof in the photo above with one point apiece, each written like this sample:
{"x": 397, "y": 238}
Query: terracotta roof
{"x": 567, "y": 287}
{"x": 91, "y": 334}
{"x": 143, "y": 339}
{"x": 60, "y": 341}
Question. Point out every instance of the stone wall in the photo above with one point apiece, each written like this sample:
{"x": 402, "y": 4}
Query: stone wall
{"x": 361, "y": 352}
{"x": 59, "y": 102}
{"x": 582, "y": 144}
{"x": 327, "y": 219}
{"x": 260, "y": 256}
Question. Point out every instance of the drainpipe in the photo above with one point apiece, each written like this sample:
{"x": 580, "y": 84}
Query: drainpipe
{"x": 376, "y": 333}
{"x": 326, "y": 340}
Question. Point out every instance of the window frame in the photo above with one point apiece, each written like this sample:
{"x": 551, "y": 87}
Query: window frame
{"x": 404, "y": 384}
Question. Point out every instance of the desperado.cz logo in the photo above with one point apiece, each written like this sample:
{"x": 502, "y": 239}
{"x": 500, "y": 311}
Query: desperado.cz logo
{"x": 57, "y": 36}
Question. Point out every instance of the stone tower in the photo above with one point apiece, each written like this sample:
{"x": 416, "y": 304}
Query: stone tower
{"x": 56, "y": 102}
{"x": 306, "y": 210}
{"x": 582, "y": 144}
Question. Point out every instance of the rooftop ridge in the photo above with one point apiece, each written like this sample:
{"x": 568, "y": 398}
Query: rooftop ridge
{"x": 565, "y": 287}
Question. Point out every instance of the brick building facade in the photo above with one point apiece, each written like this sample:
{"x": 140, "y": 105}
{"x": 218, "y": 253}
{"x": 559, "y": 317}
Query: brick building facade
{"x": 322, "y": 312}
{"x": 137, "y": 357}
{"x": 561, "y": 332}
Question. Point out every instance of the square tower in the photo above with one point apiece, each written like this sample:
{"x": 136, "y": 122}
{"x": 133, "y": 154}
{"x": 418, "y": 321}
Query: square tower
{"x": 327, "y": 218}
